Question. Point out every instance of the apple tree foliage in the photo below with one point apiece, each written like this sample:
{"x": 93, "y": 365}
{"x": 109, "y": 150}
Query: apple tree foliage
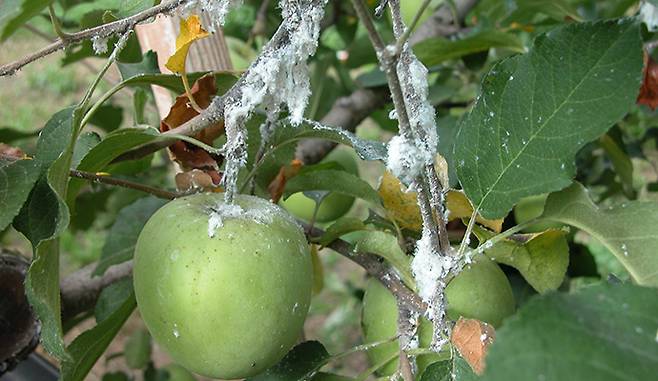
{"x": 547, "y": 139}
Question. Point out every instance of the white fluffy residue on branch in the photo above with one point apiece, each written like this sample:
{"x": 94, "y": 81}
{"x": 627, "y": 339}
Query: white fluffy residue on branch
{"x": 279, "y": 76}
{"x": 99, "y": 44}
{"x": 216, "y": 10}
{"x": 408, "y": 156}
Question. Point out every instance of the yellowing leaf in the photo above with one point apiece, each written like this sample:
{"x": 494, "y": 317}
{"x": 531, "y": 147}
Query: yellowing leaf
{"x": 190, "y": 31}
{"x": 402, "y": 206}
{"x": 460, "y": 207}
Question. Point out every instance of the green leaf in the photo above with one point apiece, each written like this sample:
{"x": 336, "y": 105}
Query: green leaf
{"x": 629, "y": 230}
{"x": 16, "y": 180}
{"x": 14, "y": 13}
{"x": 44, "y": 217}
{"x": 537, "y": 110}
{"x": 527, "y": 10}
{"x": 137, "y": 349}
{"x": 434, "y": 51}
{"x": 334, "y": 181}
{"x": 112, "y": 297}
{"x": 439, "y": 371}
{"x": 120, "y": 243}
{"x": 109, "y": 149}
{"x": 602, "y": 332}
{"x": 85, "y": 143}
{"x": 148, "y": 65}
{"x": 87, "y": 348}
{"x": 301, "y": 362}
{"x": 386, "y": 246}
{"x": 541, "y": 258}
{"x": 342, "y": 226}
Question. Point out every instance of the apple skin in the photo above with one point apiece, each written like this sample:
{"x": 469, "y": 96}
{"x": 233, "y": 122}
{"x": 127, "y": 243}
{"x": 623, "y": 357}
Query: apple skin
{"x": 227, "y": 306}
{"x": 335, "y": 205}
{"x": 481, "y": 291}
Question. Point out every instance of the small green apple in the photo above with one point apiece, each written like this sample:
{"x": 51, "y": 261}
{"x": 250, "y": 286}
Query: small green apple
{"x": 379, "y": 322}
{"x": 332, "y": 207}
{"x": 481, "y": 291}
{"x": 223, "y": 288}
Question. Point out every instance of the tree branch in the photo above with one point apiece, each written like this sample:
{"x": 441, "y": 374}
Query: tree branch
{"x": 107, "y": 179}
{"x": 102, "y": 31}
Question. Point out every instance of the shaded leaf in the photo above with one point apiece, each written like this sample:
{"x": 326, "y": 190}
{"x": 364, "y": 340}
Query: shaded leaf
{"x": 386, "y": 246}
{"x": 302, "y": 361}
{"x": 537, "y": 110}
{"x": 87, "y": 348}
{"x": 14, "y": 13}
{"x": 629, "y": 230}
{"x": 112, "y": 297}
{"x": 436, "y": 50}
{"x": 122, "y": 237}
{"x": 541, "y": 258}
{"x": 334, "y": 181}
{"x": 601, "y": 332}
{"x": 439, "y": 371}
{"x": 342, "y": 226}
{"x": 16, "y": 180}
{"x": 137, "y": 349}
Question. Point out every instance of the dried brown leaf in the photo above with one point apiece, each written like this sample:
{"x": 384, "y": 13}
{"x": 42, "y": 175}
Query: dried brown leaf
{"x": 472, "y": 338}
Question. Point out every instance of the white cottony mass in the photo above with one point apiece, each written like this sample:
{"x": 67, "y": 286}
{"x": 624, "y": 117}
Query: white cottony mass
{"x": 279, "y": 76}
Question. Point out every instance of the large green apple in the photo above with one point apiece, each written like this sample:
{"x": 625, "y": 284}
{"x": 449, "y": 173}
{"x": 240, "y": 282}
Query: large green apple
{"x": 223, "y": 288}
{"x": 481, "y": 292}
{"x": 332, "y": 207}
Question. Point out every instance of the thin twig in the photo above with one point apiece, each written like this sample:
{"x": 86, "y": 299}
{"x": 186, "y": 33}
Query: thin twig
{"x": 101, "y": 31}
{"x": 104, "y": 178}
{"x": 405, "y": 36}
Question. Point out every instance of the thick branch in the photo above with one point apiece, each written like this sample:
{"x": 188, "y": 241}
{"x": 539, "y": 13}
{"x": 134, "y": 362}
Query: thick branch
{"x": 102, "y": 31}
{"x": 442, "y": 22}
{"x": 81, "y": 290}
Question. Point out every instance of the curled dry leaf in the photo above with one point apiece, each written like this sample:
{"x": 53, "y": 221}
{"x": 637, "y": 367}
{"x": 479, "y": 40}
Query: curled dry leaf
{"x": 472, "y": 338}
{"x": 649, "y": 91}
{"x": 189, "y": 156}
{"x": 402, "y": 206}
{"x": 275, "y": 189}
{"x": 190, "y": 31}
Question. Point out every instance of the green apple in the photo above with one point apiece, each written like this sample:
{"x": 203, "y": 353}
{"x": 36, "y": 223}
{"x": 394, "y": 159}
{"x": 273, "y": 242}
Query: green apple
{"x": 532, "y": 207}
{"x": 224, "y": 288}
{"x": 379, "y": 322}
{"x": 332, "y": 207}
{"x": 481, "y": 291}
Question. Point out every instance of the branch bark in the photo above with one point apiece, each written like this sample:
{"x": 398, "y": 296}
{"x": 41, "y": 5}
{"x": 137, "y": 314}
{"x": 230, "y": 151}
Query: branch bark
{"x": 102, "y": 31}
